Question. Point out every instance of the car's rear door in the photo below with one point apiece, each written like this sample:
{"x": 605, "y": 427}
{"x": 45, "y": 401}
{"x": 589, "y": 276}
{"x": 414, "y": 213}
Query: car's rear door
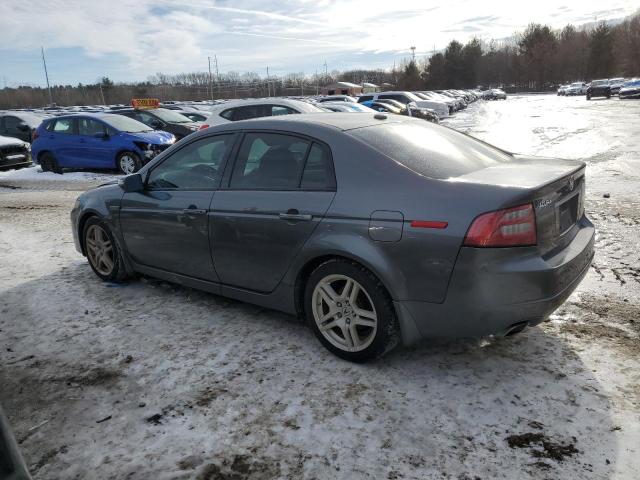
{"x": 63, "y": 142}
{"x": 166, "y": 226}
{"x": 272, "y": 199}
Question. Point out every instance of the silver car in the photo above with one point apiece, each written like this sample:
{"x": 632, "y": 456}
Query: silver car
{"x": 376, "y": 229}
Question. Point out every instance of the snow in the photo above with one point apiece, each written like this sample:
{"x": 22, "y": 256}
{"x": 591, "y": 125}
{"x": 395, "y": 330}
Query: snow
{"x": 199, "y": 386}
{"x": 34, "y": 176}
{"x": 10, "y": 141}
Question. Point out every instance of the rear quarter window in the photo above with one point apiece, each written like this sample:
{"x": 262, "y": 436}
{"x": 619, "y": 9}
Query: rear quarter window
{"x": 430, "y": 150}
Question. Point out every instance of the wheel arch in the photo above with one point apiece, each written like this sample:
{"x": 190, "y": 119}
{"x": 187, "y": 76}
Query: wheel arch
{"x": 304, "y": 272}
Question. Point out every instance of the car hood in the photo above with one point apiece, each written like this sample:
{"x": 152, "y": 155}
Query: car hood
{"x": 155, "y": 137}
{"x": 6, "y": 141}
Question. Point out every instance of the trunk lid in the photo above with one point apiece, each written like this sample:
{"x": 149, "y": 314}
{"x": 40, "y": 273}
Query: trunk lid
{"x": 555, "y": 187}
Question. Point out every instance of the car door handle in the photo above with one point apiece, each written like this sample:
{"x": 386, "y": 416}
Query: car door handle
{"x": 194, "y": 211}
{"x": 294, "y": 215}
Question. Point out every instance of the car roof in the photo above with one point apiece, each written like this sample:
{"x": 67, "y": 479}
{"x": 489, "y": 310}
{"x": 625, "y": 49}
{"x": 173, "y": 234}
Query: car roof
{"x": 287, "y": 102}
{"x": 329, "y": 120}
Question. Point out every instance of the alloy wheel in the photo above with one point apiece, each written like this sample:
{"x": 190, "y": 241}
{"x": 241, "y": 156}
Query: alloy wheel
{"x": 127, "y": 164}
{"x": 344, "y": 313}
{"x": 99, "y": 250}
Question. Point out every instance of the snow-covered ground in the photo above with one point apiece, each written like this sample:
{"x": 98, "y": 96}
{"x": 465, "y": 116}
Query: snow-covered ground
{"x": 154, "y": 381}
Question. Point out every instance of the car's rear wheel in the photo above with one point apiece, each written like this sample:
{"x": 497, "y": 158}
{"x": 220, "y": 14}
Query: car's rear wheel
{"x": 350, "y": 311}
{"x": 102, "y": 250}
{"x": 588, "y": 96}
{"x": 129, "y": 162}
{"x": 48, "y": 163}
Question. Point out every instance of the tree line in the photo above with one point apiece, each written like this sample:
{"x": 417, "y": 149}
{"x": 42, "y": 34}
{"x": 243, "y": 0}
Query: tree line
{"x": 539, "y": 58}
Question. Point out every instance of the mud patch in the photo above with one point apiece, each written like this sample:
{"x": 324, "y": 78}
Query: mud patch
{"x": 95, "y": 377}
{"x": 240, "y": 467}
{"x": 542, "y": 446}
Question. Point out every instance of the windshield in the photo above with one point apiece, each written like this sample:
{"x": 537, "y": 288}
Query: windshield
{"x": 597, "y": 83}
{"x": 125, "y": 124}
{"x": 632, "y": 83}
{"x": 170, "y": 116}
{"x": 429, "y": 150}
{"x": 576, "y": 84}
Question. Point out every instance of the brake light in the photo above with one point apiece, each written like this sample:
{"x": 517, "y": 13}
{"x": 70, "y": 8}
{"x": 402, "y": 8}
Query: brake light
{"x": 34, "y": 135}
{"x": 511, "y": 227}
{"x": 203, "y": 126}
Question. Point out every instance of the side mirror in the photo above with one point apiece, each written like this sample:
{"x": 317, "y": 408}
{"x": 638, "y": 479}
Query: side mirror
{"x": 23, "y": 127}
{"x": 132, "y": 183}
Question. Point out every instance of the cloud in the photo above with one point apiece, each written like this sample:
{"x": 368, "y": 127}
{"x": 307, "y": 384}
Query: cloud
{"x": 293, "y": 35}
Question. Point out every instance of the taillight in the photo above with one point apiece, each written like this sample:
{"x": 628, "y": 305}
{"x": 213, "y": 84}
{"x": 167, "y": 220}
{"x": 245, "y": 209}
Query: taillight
{"x": 203, "y": 126}
{"x": 34, "y": 135}
{"x": 511, "y": 227}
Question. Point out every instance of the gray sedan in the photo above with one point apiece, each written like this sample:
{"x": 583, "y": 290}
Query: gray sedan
{"x": 376, "y": 229}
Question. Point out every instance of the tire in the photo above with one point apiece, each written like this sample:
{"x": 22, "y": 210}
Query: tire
{"x": 588, "y": 96}
{"x": 364, "y": 321}
{"x": 608, "y": 95}
{"x": 103, "y": 253}
{"x": 48, "y": 163}
{"x": 128, "y": 162}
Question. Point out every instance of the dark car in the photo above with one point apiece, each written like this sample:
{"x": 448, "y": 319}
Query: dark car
{"x": 397, "y": 108}
{"x": 170, "y": 121}
{"x": 14, "y": 153}
{"x": 20, "y": 125}
{"x": 630, "y": 89}
{"x": 599, "y": 88}
{"x": 12, "y": 466}
{"x": 375, "y": 228}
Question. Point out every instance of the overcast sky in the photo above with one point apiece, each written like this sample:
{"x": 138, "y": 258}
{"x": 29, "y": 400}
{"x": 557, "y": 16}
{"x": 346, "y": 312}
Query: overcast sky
{"x": 131, "y": 39}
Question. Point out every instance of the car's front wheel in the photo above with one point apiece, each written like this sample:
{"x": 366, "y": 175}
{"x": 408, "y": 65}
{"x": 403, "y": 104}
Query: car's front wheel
{"x": 128, "y": 162}
{"x": 350, "y": 311}
{"x": 102, "y": 251}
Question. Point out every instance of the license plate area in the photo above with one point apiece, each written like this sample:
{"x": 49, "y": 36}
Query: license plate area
{"x": 567, "y": 211}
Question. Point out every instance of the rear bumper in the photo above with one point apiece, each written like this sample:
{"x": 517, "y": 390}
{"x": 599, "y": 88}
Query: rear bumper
{"x": 493, "y": 290}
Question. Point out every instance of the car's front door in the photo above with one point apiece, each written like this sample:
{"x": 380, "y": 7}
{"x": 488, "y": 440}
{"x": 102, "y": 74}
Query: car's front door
{"x": 166, "y": 226}
{"x": 96, "y": 151}
{"x": 278, "y": 191}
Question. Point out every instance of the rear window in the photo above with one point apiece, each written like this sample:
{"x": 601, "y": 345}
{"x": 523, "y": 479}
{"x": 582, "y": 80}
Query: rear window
{"x": 430, "y": 150}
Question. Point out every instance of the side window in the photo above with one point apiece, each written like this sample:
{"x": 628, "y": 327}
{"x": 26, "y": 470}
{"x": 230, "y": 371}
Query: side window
{"x": 269, "y": 161}
{"x": 318, "y": 171}
{"x": 63, "y": 125}
{"x": 250, "y": 111}
{"x": 197, "y": 166}
{"x": 228, "y": 114}
{"x": 11, "y": 124}
{"x": 364, "y": 98}
{"x": 281, "y": 110}
{"x": 88, "y": 126}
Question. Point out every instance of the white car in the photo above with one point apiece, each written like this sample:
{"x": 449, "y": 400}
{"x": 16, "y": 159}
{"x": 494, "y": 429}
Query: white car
{"x": 576, "y": 88}
{"x": 346, "y": 107}
{"x": 235, "y": 110}
{"x": 452, "y": 103}
{"x": 441, "y": 108}
{"x": 14, "y": 153}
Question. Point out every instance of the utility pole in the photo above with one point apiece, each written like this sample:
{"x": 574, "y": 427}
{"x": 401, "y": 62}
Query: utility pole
{"x": 101, "y": 93}
{"x": 413, "y": 54}
{"x": 46, "y": 74}
{"x": 210, "y": 81}
{"x": 215, "y": 58}
{"x": 317, "y": 86}
{"x": 268, "y": 87}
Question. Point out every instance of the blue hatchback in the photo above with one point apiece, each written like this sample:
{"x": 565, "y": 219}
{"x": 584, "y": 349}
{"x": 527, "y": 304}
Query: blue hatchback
{"x": 97, "y": 141}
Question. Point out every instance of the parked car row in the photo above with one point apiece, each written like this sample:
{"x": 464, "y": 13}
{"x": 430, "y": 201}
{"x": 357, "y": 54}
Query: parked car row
{"x": 127, "y": 137}
{"x": 606, "y": 87}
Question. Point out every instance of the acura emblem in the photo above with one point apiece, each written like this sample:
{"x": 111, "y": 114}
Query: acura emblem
{"x": 571, "y": 183}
